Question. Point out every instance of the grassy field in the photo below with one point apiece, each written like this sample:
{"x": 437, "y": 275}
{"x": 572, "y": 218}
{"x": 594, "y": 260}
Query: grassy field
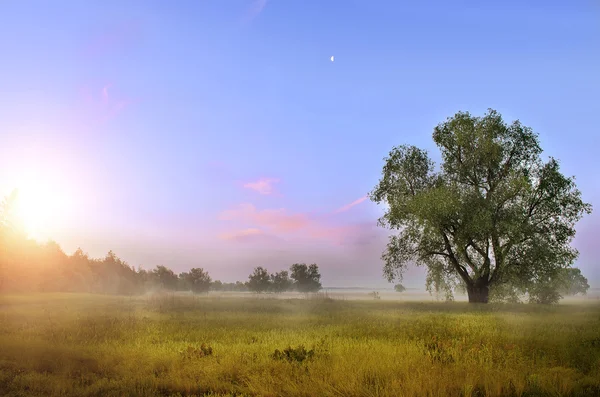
{"x": 85, "y": 345}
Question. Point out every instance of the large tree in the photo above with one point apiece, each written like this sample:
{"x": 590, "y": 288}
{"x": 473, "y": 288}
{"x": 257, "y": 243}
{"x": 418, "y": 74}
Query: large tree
{"x": 493, "y": 214}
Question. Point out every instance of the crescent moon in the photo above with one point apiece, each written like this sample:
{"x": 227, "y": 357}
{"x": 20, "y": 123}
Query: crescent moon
{"x": 332, "y": 58}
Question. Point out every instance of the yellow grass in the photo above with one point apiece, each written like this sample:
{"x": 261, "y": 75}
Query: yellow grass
{"x": 90, "y": 345}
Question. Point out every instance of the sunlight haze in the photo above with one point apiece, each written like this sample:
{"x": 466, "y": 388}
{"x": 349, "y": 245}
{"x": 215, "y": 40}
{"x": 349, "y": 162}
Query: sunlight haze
{"x": 216, "y": 134}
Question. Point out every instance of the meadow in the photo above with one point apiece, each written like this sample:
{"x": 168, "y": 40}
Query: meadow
{"x": 220, "y": 345}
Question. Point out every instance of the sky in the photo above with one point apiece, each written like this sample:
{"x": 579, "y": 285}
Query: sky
{"x": 219, "y": 134}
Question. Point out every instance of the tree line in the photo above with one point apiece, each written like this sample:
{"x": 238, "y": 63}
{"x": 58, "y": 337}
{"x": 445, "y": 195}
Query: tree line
{"x": 26, "y": 265}
{"x": 301, "y": 278}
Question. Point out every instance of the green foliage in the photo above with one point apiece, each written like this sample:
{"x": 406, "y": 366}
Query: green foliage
{"x": 494, "y": 213}
{"x": 399, "y": 288}
{"x": 281, "y": 282}
{"x": 216, "y": 285}
{"x": 545, "y": 289}
{"x": 506, "y": 293}
{"x": 544, "y": 293}
{"x": 238, "y": 286}
{"x": 259, "y": 281}
{"x": 165, "y": 278}
{"x": 198, "y": 280}
{"x": 306, "y": 278}
{"x": 572, "y": 282}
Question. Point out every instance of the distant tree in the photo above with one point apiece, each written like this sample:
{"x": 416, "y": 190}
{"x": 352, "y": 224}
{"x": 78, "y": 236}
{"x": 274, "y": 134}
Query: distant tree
{"x": 306, "y": 278}
{"x": 240, "y": 286}
{"x": 544, "y": 290}
{"x": 573, "y": 282}
{"x": 217, "y": 285}
{"x": 165, "y": 277}
{"x": 259, "y": 281}
{"x": 112, "y": 275}
{"x": 399, "y": 288}
{"x": 281, "y": 282}
{"x": 144, "y": 278}
{"x": 494, "y": 213}
{"x": 198, "y": 280}
{"x": 548, "y": 288}
{"x": 183, "y": 283}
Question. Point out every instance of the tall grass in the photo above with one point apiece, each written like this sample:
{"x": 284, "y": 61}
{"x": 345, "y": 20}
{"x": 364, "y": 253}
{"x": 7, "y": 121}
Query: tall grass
{"x": 84, "y": 345}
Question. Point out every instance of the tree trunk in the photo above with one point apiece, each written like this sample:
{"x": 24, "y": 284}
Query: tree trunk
{"x": 478, "y": 293}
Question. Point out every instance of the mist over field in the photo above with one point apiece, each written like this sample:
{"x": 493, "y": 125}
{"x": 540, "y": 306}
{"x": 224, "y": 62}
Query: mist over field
{"x": 299, "y": 198}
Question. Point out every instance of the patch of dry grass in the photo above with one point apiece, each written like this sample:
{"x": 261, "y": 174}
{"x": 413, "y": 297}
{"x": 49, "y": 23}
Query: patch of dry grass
{"x": 87, "y": 345}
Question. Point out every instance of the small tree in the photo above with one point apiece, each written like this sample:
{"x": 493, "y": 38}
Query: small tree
{"x": 259, "y": 281}
{"x": 198, "y": 280}
{"x": 280, "y": 282}
{"x": 306, "y": 278}
{"x": 399, "y": 288}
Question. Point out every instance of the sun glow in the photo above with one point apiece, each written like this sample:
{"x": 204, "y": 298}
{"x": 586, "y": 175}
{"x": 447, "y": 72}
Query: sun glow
{"x": 40, "y": 209}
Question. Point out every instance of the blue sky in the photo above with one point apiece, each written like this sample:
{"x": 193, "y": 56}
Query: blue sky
{"x": 219, "y": 134}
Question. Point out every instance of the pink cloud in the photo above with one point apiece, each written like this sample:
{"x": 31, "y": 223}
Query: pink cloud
{"x": 278, "y": 220}
{"x": 352, "y": 204}
{"x": 250, "y": 234}
{"x": 263, "y": 185}
{"x": 298, "y": 226}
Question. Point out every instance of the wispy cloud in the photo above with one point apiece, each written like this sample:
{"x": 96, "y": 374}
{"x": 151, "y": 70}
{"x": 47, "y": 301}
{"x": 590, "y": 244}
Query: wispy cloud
{"x": 247, "y": 235}
{"x": 352, "y": 204}
{"x": 255, "y": 9}
{"x": 357, "y": 234}
{"x": 105, "y": 93}
{"x": 297, "y": 227}
{"x": 263, "y": 185}
{"x": 277, "y": 220}
{"x": 101, "y": 105}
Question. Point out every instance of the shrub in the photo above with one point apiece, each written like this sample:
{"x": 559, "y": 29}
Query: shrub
{"x": 298, "y": 354}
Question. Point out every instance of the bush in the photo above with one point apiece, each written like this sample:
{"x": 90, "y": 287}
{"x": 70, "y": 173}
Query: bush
{"x": 298, "y": 354}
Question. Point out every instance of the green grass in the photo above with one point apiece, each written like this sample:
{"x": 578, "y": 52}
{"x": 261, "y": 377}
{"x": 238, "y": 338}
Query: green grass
{"x": 86, "y": 345}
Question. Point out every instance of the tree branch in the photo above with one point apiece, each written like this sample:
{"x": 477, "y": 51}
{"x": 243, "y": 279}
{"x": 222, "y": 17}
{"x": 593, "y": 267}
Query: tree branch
{"x": 459, "y": 268}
